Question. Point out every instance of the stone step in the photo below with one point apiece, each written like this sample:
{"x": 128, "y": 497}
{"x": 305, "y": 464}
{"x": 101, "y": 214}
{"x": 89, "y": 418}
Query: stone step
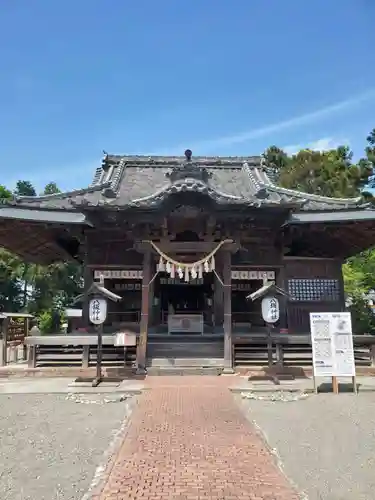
{"x": 186, "y": 339}
{"x": 185, "y": 362}
{"x": 174, "y": 371}
{"x": 184, "y": 354}
{"x": 212, "y": 350}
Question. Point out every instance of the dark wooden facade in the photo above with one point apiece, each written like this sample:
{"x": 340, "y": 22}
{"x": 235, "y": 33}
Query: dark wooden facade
{"x": 187, "y": 206}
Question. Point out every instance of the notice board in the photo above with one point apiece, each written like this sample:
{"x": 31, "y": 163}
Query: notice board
{"x": 332, "y": 344}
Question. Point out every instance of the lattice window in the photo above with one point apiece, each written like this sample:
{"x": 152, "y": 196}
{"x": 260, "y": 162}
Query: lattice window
{"x": 314, "y": 290}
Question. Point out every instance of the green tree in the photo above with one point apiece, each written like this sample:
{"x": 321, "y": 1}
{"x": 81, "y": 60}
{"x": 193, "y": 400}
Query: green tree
{"x": 55, "y": 286}
{"x": 10, "y": 282}
{"x": 38, "y": 289}
{"x": 51, "y": 188}
{"x": 333, "y": 173}
{"x": 24, "y": 188}
{"x": 327, "y": 173}
{"x": 4, "y": 193}
{"x": 276, "y": 159}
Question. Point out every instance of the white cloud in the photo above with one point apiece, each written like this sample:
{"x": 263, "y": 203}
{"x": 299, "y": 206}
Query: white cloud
{"x": 291, "y": 122}
{"x": 323, "y": 144}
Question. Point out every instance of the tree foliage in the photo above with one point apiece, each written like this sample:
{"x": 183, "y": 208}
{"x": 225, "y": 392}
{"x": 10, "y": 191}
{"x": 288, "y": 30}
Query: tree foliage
{"x": 4, "y": 193}
{"x": 41, "y": 290}
{"x": 333, "y": 173}
{"x": 51, "y": 188}
{"x": 327, "y": 173}
{"x": 24, "y": 188}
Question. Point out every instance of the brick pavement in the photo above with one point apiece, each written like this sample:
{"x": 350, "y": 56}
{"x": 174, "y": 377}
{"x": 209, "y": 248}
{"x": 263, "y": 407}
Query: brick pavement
{"x": 188, "y": 440}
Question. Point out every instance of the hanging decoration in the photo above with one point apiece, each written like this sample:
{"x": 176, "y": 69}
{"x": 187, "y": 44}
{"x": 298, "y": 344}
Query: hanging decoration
{"x": 187, "y": 270}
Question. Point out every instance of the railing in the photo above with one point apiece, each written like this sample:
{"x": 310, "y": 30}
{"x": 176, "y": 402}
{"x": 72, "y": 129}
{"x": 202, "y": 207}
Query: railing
{"x": 248, "y": 350}
{"x": 76, "y": 350}
{"x": 292, "y": 350}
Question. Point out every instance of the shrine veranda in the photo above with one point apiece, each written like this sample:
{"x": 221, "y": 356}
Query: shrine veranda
{"x": 185, "y": 240}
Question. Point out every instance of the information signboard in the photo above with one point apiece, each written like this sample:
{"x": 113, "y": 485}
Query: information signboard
{"x": 16, "y": 330}
{"x": 332, "y": 344}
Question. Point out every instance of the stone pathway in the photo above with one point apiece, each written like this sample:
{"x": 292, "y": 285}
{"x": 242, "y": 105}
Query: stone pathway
{"x": 188, "y": 440}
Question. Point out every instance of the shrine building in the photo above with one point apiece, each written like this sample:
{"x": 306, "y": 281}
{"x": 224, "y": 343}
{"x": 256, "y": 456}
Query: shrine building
{"x": 184, "y": 240}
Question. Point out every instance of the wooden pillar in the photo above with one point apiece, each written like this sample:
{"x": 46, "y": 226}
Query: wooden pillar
{"x": 340, "y": 277}
{"x": 31, "y": 356}
{"x": 88, "y": 278}
{"x": 372, "y": 355}
{"x": 151, "y": 307}
{"x": 3, "y": 342}
{"x": 227, "y": 279}
{"x": 145, "y": 307}
{"x": 218, "y": 296}
{"x": 85, "y": 356}
{"x": 282, "y": 283}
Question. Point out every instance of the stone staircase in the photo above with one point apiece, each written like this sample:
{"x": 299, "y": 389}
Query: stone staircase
{"x": 185, "y": 355}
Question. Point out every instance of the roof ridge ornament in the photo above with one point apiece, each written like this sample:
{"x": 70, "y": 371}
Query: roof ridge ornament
{"x": 105, "y": 165}
{"x": 188, "y": 169}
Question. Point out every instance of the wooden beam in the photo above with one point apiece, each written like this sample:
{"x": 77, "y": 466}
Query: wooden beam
{"x": 174, "y": 247}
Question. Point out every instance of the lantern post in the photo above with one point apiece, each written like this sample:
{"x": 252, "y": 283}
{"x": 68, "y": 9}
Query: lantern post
{"x": 98, "y": 297}
{"x": 270, "y": 314}
{"x": 270, "y": 310}
{"x": 97, "y": 316}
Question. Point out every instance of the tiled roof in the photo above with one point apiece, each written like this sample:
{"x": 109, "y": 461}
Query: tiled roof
{"x": 146, "y": 181}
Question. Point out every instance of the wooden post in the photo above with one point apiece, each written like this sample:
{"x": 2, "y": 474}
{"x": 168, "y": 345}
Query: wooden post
{"x": 87, "y": 279}
{"x": 151, "y": 304}
{"x": 31, "y": 357}
{"x": 2, "y": 349}
{"x": 269, "y": 345}
{"x": 99, "y": 355}
{"x": 218, "y": 295}
{"x": 335, "y": 385}
{"x": 227, "y": 280}
{"x": 372, "y": 355}
{"x": 282, "y": 283}
{"x": 3, "y": 341}
{"x": 85, "y": 356}
{"x": 24, "y": 348}
{"x": 279, "y": 355}
{"x": 354, "y": 382}
{"x": 142, "y": 344}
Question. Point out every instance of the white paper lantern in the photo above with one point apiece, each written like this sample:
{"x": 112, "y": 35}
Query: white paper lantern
{"x": 98, "y": 310}
{"x": 270, "y": 309}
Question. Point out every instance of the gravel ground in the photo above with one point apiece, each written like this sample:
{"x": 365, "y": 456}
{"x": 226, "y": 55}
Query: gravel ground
{"x": 50, "y": 447}
{"x": 326, "y": 443}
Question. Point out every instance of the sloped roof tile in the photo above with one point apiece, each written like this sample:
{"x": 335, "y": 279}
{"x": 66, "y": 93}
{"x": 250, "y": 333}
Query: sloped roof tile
{"x": 131, "y": 181}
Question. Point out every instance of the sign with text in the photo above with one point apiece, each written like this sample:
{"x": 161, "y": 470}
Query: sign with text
{"x": 98, "y": 310}
{"x": 118, "y": 274}
{"x": 16, "y": 330}
{"x": 128, "y": 286}
{"x": 253, "y": 275}
{"x": 332, "y": 344}
{"x": 270, "y": 309}
{"x": 185, "y": 323}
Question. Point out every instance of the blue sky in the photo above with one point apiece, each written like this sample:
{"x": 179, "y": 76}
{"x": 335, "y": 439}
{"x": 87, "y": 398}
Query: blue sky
{"x": 156, "y": 77}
